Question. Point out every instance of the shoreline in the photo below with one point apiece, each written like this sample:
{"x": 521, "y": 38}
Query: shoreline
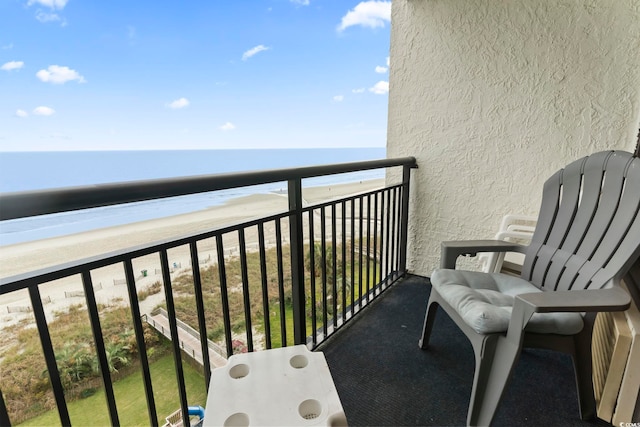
{"x": 25, "y": 257}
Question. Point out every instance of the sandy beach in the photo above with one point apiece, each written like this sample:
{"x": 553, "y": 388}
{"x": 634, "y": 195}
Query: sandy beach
{"x": 107, "y": 281}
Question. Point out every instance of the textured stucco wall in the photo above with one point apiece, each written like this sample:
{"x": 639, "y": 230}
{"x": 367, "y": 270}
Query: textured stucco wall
{"x": 492, "y": 97}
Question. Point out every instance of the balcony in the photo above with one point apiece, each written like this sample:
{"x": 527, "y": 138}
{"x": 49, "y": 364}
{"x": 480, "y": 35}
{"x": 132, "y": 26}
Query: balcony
{"x": 330, "y": 275}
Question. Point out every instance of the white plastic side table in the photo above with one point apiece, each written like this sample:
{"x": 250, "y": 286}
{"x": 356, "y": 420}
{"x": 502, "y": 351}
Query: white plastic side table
{"x": 288, "y": 386}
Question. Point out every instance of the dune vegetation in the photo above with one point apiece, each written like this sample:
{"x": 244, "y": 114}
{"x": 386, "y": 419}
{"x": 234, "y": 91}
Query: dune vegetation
{"x": 24, "y": 378}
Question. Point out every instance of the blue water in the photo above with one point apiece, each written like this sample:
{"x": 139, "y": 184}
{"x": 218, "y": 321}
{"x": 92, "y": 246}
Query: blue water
{"x": 25, "y": 171}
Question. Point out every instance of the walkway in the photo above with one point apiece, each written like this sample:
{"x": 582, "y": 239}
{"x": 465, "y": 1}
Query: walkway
{"x": 189, "y": 339}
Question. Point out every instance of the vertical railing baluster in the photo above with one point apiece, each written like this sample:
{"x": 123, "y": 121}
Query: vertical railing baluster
{"x": 175, "y": 339}
{"x": 297, "y": 261}
{"x": 382, "y": 239}
{"x": 224, "y": 295}
{"x": 399, "y": 246}
{"x": 396, "y": 234}
{"x": 202, "y": 321}
{"x": 142, "y": 347}
{"x": 360, "y": 238}
{"x": 375, "y": 242}
{"x": 245, "y": 288}
{"x": 389, "y": 234}
{"x": 392, "y": 231}
{"x": 368, "y": 254}
{"x": 49, "y": 355}
{"x": 4, "y": 413}
{"x": 334, "y": 267}
{"x": 265, "y": 285}
{"x": 312, "y": 273}
{"x": 344, "y": 260}
{"x": 283, "y": 317}
{"x": 323, "y": 257}
{"x": 98, "y": 339}
{"x": 353, "y": 255}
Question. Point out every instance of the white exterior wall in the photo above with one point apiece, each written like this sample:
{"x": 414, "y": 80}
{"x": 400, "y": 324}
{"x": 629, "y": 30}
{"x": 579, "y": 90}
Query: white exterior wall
{"x": 492, "y": 97}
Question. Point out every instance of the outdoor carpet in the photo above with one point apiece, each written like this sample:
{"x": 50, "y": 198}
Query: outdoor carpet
{"x": 384, "y": 378}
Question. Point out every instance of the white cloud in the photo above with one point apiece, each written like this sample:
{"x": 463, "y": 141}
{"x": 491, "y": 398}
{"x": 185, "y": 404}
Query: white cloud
{"x": 52, "y": 4}
{"x": 338, "y": 98}
{"x": 7, "y": 46}
{"x": 381, "y": 70}
{"x": 48, "y": 17}
{"x": 380, "y": 88}
{"x": 178, "y": 103}
{"x": 43, "y": 111}
{"x": 59, "y": 75}
{"x": 254, "y": 50}
{"x": 301, "y": 2}
{"x": 227, "y": 126}
{"x": 21, "y": 113}
{"x": 12, "y": 65}
{"x": 388, "y": 61}
{"x": 359, "y": 90}
{"x": 370, "y": 14}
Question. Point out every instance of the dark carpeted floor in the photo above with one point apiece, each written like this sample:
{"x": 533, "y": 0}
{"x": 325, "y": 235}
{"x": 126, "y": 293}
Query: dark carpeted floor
{"x": 384, "y": 379}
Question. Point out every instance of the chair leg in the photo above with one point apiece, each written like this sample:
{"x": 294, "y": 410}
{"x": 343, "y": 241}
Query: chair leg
{"x": 495, "y": 360}
{"x": 583, "y": 369}
{"x": 584, "y": 384}
{"x": 429, "y": 318}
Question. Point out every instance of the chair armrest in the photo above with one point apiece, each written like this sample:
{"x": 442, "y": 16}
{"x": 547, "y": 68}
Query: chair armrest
{"x": 588, "y": 300}
{"x": 451, "y": 250}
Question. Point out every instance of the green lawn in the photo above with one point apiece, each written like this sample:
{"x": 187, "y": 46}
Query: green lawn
{"x": 130, "y": 398}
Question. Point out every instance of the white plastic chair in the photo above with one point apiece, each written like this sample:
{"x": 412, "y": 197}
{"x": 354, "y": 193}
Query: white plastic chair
{"x": 515, "y": 229}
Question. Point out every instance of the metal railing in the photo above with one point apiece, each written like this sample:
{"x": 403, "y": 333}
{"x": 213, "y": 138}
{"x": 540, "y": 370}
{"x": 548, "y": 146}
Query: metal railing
{"x": 318, "y": 267}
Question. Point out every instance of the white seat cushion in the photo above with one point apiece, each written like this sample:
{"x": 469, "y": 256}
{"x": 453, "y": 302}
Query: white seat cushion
{"x": 484, "y": 301}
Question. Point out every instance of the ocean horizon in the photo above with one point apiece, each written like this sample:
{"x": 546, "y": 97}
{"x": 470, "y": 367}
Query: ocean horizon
{"x": 28, "y": 171}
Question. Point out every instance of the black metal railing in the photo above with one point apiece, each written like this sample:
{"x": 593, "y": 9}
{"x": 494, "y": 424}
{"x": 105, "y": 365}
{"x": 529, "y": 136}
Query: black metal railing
{"x": 312, "y": 269}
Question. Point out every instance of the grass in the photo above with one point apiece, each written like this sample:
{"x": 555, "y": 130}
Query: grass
{"x": 130, "y": 398}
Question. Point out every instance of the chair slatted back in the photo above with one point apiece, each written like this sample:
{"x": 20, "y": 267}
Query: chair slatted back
{"x": 588, "y": 229}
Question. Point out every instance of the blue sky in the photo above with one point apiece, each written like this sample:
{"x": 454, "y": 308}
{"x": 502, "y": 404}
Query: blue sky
{"x": 122, "y": 74}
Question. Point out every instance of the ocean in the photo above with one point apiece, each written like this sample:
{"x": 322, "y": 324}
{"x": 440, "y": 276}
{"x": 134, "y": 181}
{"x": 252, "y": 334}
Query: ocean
{"x": 26, "y": 171}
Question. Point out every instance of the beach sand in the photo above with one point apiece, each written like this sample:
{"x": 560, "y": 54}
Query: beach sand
{"x": 25, "y": 257}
